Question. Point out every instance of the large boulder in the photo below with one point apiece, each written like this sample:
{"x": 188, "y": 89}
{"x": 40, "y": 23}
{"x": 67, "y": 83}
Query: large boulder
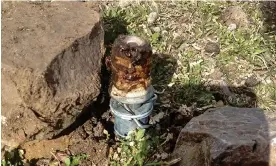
{"x": 51, "y": 64}
{"x": 228, "y": 136}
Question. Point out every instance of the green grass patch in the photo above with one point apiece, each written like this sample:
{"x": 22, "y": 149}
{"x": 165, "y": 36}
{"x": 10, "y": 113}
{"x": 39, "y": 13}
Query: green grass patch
{"x": 135, "y": 149}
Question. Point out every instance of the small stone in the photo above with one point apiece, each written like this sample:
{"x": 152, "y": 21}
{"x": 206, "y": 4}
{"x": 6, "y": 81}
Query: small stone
{"x": 106, "y": 115}
{"x": 3, "y": 120}
{"x": 164, "y": 32}
{"x": 157, "y": 156}
{"x": 157, "y": 118}
{"x": 47, "y": 162}
{"x": 185, "y": 111}
{"x": 152, "y": 17}
{"x": 123, "y": 160}
{"x": 216, "y": 75}
{"x": 212, "y": 47}
{"x": 171, "y": 84}
{"x": 183, "y": 46}
{"x": 156, "y": 29}
{"x": 219, "y": 103}
{"x": 251, "y": 81}
{"x": 131, "y": 143}
{"x": 232, "y": 27}
{"x": 268, "y": 81}
{"x": 99, "y": 130}
{"x": 124, "y": 3}
{"x": 164, "y": 156}
{"x": 115, "y": 156}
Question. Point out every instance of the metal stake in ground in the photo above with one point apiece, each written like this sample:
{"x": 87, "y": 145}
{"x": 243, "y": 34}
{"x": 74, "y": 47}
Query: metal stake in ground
{"x": 132, "y": 95}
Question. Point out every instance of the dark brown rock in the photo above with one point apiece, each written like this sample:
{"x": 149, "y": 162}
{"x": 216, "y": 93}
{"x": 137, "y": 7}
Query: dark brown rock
{"x": 51, "y": 62}
{"x": 252, "y": 81}
{"x": 212, "y": 47}
{"x": 228, "y": 136}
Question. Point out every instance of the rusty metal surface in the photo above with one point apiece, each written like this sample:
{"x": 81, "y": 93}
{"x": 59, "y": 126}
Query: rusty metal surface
{"x": 130, "y": 64}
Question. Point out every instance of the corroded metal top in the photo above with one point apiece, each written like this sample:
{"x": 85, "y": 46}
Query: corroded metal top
{"x": 130, "y": 65}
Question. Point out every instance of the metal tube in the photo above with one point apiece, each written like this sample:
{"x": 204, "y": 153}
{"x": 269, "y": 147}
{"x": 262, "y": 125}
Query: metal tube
{"x": 132, "y": 95}
{"x": 130, "y": 65}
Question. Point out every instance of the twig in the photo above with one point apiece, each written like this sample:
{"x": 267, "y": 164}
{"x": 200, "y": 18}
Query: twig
{"x": 56, "y": 158}
{"x": 159, "y": 92}
{"x": 263, "y": 61}
{"x": 206, "y": 107}
{"x": 168, "y": 163}
{"x": 174, "y": 161}
{"x": 167, "y": 140}
{"x": 225, "y": 88}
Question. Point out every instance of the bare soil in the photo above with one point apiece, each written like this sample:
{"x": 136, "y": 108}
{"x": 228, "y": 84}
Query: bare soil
{"x": 85, "y": 140}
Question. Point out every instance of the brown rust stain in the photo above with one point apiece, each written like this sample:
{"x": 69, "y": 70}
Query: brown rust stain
{"x": 130, "y": 65}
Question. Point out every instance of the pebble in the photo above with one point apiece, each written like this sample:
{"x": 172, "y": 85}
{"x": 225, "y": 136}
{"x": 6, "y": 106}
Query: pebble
{"x": 152, "y": 17}
{"x": 115, "y": 156}
{"x": 164, "y": 32}
{"x": 232, "y": 27}
{"x": 219, "y": 103}
{"x": 164, "y": 156}
{"x": 157, "y": 118}
{"x": 156, "y": 29}
{"x": 212, "y": 47}
{"x": 251, "y": 81}
{"x": 124, "y": 3}
{"x": 131, "y": 143}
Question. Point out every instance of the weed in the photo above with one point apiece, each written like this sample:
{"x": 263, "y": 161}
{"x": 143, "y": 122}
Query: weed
{"x": 134, "y": 150}
{"x": 13, "y": 158}
{"x": 74, "y": 160}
